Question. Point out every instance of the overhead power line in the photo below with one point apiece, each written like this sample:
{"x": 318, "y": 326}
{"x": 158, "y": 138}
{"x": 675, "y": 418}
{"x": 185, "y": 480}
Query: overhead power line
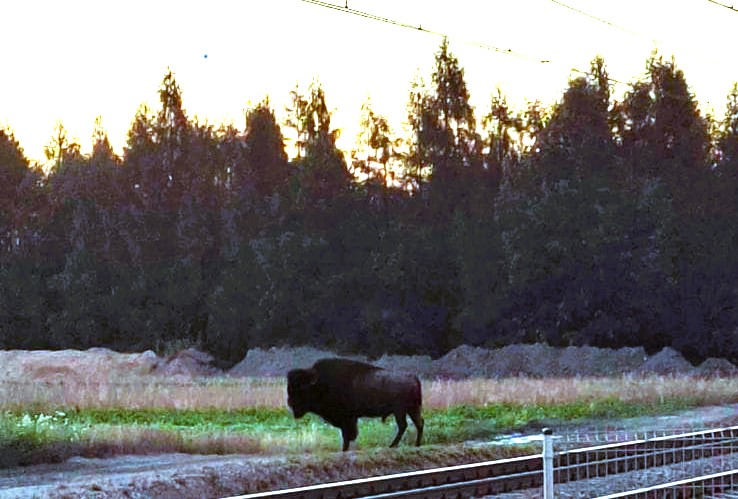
{"x": 729, "y": 7}
{"x": 603, "y": 21}
{"x": 636, "y": 33}
{"x": 346, "y": 9}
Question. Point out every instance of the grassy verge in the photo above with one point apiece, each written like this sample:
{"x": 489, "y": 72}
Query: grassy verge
{"x": 33, "y": 438}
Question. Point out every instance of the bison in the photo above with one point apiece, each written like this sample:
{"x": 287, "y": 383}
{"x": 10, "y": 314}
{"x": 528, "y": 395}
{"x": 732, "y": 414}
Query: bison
{"x": 342, "y": 390}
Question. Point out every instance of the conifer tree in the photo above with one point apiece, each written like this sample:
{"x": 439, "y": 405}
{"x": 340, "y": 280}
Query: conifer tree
{"x": 265, "y": 151}
{"x": 660, "y": 126}
{"x": 323, "y": 173}
{"x": 455, "y": 149}
{"x": 577, "y": 140}
{"x": 728, "y": 135}
{"x": 500, "y": 124}
{"x": 422, "y": 124}
{"x": 375, "y": 149}
{"x": 14, "y": 167}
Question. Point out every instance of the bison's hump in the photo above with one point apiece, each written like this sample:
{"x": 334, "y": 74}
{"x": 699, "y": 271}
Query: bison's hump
{"x": 343, "y": 362}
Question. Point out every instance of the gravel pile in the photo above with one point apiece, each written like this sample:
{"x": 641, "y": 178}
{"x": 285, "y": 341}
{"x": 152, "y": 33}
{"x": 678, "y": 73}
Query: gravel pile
{"x": 537, "y": 360}
{"x": 188, "y": 362}
{"x": 667, "y": 361}
{"x": 421, "y": 365}
{"x": 277, "y": 361}
{"x": 716, "y": 367}
{"x": 95, "y": 363}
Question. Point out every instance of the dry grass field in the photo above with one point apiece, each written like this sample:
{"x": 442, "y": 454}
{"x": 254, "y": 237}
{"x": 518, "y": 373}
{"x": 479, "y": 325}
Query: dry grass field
{"x": 226, "y": 393}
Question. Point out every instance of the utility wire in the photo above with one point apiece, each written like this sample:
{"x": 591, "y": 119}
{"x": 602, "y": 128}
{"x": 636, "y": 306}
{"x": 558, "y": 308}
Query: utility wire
{"x": 653, "y": 40}
{"x": 419, "y": 27}
{"x": 346, "y": 9}
{"x": 730, "y": 7}
{"x": 604, "y": 21}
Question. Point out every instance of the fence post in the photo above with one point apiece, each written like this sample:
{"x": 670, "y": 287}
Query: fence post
{"x": 548, "y": 459}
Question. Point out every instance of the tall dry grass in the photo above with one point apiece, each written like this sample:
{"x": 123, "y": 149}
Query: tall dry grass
{"x": 155, "y": 392}
{"x": 143, "y": 392}
{"x": 627, "y": 388}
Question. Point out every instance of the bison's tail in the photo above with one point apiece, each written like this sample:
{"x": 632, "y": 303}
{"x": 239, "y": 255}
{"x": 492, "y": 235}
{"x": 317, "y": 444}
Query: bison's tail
{"x": 417, "y": 393}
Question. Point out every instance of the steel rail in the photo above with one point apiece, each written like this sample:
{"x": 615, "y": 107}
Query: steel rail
{"x": 507, "y": 475}
{"x": 520, "y": 473}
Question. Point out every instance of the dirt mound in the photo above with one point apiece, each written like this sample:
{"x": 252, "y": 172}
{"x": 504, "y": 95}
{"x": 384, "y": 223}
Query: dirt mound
{"x": 592, "y": 361}
{"x": 462, "y": 362}
{"x": 95, "y": 363}
{"x": 422, "y": 365}
{"x": 716, "y": 367}
{"x": 277, "y": 360}
{"x": 188, "y": 362}
{"x": 100, "y": 365}
{"x": 537, "y": 360}
{"x": 667, "y": 361}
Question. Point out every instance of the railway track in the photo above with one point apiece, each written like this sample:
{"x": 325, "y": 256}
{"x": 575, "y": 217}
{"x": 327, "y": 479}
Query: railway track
{"x": 508, "y": 475}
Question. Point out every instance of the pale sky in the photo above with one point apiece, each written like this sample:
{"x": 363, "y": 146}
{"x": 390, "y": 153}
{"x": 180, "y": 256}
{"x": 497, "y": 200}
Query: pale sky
{"x": 77, "y": 59}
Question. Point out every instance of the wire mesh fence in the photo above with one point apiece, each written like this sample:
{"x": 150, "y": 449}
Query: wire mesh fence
{"x": 677, "y": 462}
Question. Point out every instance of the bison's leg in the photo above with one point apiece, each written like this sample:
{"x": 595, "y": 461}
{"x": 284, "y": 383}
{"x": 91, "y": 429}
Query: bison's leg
{"x": 349, "y": 431}
{"x": 418, "y": 422}
{"x": 401, "y": 427}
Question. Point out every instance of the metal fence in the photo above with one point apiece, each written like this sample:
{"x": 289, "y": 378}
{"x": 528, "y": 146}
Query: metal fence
{"x": 646, "y": 465}
{"x": 604, "y": 464}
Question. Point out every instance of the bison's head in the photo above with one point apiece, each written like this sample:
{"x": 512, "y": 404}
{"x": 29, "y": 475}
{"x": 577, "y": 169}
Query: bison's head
{"x": 300, "y": 385}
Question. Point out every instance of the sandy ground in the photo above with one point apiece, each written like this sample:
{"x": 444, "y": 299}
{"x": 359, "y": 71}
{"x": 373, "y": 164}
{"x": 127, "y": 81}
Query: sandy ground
{"x": 194, "y": 476}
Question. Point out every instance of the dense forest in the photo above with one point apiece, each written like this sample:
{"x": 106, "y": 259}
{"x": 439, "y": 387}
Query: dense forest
{"x": 592, "y": 222}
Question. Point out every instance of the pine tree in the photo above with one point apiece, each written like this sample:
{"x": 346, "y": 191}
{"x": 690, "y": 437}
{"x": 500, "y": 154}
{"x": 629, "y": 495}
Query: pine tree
{"x": 422, "y": 124}
{"x": 455, "y": 146}
{"x": 375, "y": 149}
{"x": 727, "y": 142}
{"x": 455, "y": 149}
{"x": 61, "y": 152}
{"x": 14, "y": 167}
{"x": 660, "y": 126}
{"x": 500, "y": 124}
{"x": 102, "y": 152}
{"x": 13, "y": 164}
{"x": 323, "y": 173}
{"x": 577, "y": 140}
{"x": 265, "y": 152}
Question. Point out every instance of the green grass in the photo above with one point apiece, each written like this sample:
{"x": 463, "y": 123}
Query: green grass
{"x": 28, "y": 438}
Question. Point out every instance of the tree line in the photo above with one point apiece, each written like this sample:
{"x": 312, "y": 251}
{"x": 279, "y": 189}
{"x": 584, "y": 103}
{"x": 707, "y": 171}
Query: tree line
{"x": 590, "y": 222}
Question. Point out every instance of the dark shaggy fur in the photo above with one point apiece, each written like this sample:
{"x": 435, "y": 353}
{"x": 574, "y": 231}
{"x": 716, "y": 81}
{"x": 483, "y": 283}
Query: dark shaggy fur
{"x": 341, "y": 391}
